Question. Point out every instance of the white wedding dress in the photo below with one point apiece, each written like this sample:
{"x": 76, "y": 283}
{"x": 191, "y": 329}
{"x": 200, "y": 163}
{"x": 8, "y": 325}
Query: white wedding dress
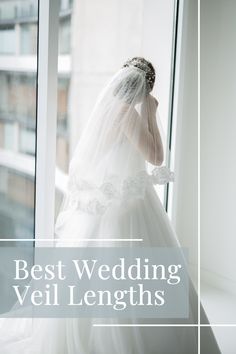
{"x": 117, "y": 201}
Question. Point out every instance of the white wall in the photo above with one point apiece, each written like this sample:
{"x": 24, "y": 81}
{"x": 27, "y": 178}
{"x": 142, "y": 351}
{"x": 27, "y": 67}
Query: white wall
{"x": 218, "y": 142}
{"x": 184, "y": 190}
{"x": 104, "y": 35}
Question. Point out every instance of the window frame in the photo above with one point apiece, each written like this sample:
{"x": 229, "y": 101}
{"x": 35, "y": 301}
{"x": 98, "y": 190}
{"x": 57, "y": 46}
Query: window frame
{"x": 46, "y": 118}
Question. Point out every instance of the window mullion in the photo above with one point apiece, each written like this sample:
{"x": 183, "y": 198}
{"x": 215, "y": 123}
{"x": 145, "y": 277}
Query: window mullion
{"x": 46, "y": 118}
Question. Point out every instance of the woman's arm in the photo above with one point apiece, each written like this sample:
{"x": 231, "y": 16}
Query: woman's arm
{"x": 148, "y": 110}
{"x": 142, "y": 131}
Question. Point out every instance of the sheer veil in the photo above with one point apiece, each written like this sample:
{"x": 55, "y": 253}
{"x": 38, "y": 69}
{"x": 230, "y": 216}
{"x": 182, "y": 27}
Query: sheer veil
{"x": 109, "y": 163}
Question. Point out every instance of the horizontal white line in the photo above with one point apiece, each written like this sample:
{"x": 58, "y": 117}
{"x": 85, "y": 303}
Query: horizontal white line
{"x": 218, "y": 325}
{"x": 144, "y": 325}
{"x": 163, "y": 325}
{"x": 73, "y": 239}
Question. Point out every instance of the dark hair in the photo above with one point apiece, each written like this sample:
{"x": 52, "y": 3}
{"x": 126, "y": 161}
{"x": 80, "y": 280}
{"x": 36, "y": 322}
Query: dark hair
{"x": 146, "y": 66}
{"x": 129, "y": 87}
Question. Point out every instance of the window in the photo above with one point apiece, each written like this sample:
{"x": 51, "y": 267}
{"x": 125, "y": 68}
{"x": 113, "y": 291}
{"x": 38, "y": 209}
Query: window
{"x": 28, "y": 38}
{"x": 27, "y": 141}
{"x": 16, "y": 200}
{"x": 64, "y": 35}
{"x": 7, "y": 40}
{"x": 17, "y": 118}
{"x": 93, "y": 43}
{"x": 9, "y": 136}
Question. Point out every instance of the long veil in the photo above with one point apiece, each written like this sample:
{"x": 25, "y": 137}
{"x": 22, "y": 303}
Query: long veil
{"x": 109, "y": 163}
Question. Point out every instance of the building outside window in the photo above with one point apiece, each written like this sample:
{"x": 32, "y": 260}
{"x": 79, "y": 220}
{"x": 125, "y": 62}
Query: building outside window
{"x": 18, "y": 77}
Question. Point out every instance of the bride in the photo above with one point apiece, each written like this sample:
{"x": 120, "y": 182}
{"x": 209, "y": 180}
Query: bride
{"x": 111, "y": 196}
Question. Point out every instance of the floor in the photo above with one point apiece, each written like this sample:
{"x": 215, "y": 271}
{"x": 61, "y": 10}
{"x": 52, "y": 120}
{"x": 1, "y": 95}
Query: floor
{"x": 220, "y": 307}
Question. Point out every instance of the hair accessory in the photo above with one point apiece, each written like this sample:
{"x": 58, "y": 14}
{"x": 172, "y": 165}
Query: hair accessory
{"x": 146, "y": 67}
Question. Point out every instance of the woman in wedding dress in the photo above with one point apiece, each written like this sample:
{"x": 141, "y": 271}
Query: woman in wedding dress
{"x": 111, "y": 195}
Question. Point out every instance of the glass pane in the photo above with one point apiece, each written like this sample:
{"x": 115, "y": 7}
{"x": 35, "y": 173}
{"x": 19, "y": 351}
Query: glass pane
{"x": 17, "y": 117}
{"x": 28, "y": 40}
{"x": 217, "y": 163}
{"x": 95, "y": 39}
{"x": 7, "y": 40}
{"x": 64, "y": 35}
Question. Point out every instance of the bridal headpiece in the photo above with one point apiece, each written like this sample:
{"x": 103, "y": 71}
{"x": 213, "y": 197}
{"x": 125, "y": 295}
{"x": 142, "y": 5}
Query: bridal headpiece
{"x": 146, "y": 67}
